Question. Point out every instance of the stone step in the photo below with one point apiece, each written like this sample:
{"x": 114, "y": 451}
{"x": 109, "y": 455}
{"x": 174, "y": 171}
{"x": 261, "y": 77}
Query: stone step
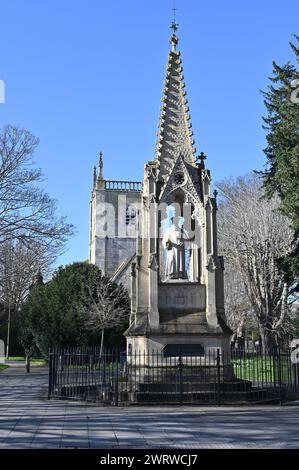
{"x": 190, "y": 386}
{"x": 198, "y": 373}
{"x": 261, "y": 395}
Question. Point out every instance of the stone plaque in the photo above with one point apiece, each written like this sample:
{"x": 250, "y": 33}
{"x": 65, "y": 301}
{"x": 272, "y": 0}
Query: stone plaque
{"x": 173, "y": 350}
{"x": 182, "y": 296}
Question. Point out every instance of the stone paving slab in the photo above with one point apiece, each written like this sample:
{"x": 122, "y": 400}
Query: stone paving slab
{"x": 29, "y": 420}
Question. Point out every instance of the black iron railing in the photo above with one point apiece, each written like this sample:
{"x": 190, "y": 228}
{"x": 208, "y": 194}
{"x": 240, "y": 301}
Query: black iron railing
{"x": 112, "y": 377}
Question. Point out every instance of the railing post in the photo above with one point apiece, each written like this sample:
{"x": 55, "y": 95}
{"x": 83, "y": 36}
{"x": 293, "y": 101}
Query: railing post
{"x": 279, "y": 376}
{"x": 116, "y": 379}
{"x": 50, "y": 374}
{"x": 218, "y": 376}
{"x": 180, "y": 379}
{"x": 274, "y": 369}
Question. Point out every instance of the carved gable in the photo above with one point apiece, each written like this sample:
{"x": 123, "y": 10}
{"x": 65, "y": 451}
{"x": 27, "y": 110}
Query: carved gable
{"x": 182, "y": 178}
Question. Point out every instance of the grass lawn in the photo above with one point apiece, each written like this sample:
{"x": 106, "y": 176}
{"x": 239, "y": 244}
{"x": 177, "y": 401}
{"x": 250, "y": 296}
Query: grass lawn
{"x": 36, "y": 361}
{"x": 263, "y": 369}
{"x": 3, "y": 366}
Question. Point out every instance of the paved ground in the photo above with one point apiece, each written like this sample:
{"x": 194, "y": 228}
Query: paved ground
{"x": 29, "y": 420}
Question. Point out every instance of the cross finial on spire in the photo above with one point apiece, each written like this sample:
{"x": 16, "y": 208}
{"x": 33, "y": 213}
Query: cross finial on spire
{"x": 202, "y": 157}
{"x": 174, "y": 26}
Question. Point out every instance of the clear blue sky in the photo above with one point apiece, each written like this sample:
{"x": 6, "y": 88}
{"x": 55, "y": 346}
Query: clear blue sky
{"x": 86, "y": 76}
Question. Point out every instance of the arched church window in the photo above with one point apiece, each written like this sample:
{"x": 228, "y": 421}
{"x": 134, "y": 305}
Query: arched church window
{"x": 130, "y": 215}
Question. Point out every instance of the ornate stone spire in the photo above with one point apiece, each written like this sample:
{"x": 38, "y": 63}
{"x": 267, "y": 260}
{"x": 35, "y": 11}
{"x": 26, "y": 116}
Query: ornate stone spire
{"x": 174, "y": 134}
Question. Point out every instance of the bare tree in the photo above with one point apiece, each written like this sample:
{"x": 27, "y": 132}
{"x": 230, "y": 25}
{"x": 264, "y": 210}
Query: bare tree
{"x": 252, "y": 236}
{"x": 107, "y": 306}
{"x": 239, "y": 312}
{"x": 19, "y": 266}
{"x": 27, "y": 213}
{"x": 31, "y": 236}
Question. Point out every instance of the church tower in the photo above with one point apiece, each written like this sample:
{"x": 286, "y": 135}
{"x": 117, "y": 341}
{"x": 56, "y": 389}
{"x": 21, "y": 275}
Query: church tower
{"x": 177, "y": 275}
{"x": 112, "y": 230}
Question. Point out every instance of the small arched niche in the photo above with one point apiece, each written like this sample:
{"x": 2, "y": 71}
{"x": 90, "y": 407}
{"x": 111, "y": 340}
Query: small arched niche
{"x": 178, "y": 251}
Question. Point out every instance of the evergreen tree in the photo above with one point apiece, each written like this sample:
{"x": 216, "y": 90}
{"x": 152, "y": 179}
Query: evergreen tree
{"x": 282, "y": 172}
{"x": 26, "y": 336}
{"x": 55, "y": 313}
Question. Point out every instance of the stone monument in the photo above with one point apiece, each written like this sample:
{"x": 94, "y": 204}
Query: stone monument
{"x": 177, "y": 275}
{"x": 166, "y": 253}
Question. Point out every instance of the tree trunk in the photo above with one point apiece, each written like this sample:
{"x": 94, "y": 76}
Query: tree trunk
{"x": 102, "y": 341}
{"x": 233, "y": 341}
{"x": 241, "y": 334}
{"x": 268, "y": 343}
{"x": 263, "y": 339}
{"x": 27, "y": 363}
{"x": 240, "y": 343}
{"x": 8, "y": 330}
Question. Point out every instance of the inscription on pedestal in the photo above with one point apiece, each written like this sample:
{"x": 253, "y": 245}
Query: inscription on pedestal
{"x": 179, "y": 296}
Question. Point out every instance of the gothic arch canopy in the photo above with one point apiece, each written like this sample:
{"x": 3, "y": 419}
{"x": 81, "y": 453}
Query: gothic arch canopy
{"x": 185, "y": 189}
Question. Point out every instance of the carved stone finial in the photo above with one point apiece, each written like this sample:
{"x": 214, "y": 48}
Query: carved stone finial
{"x": 202, "y": 157}
{"x": 174, "y": 26}
{"x": 200, "y": 160}
{"x": 101, "y": 167}
{"x": 174, "y": 41}
{"x": 215, "y": 192}
{"x": 94, "y": 176}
